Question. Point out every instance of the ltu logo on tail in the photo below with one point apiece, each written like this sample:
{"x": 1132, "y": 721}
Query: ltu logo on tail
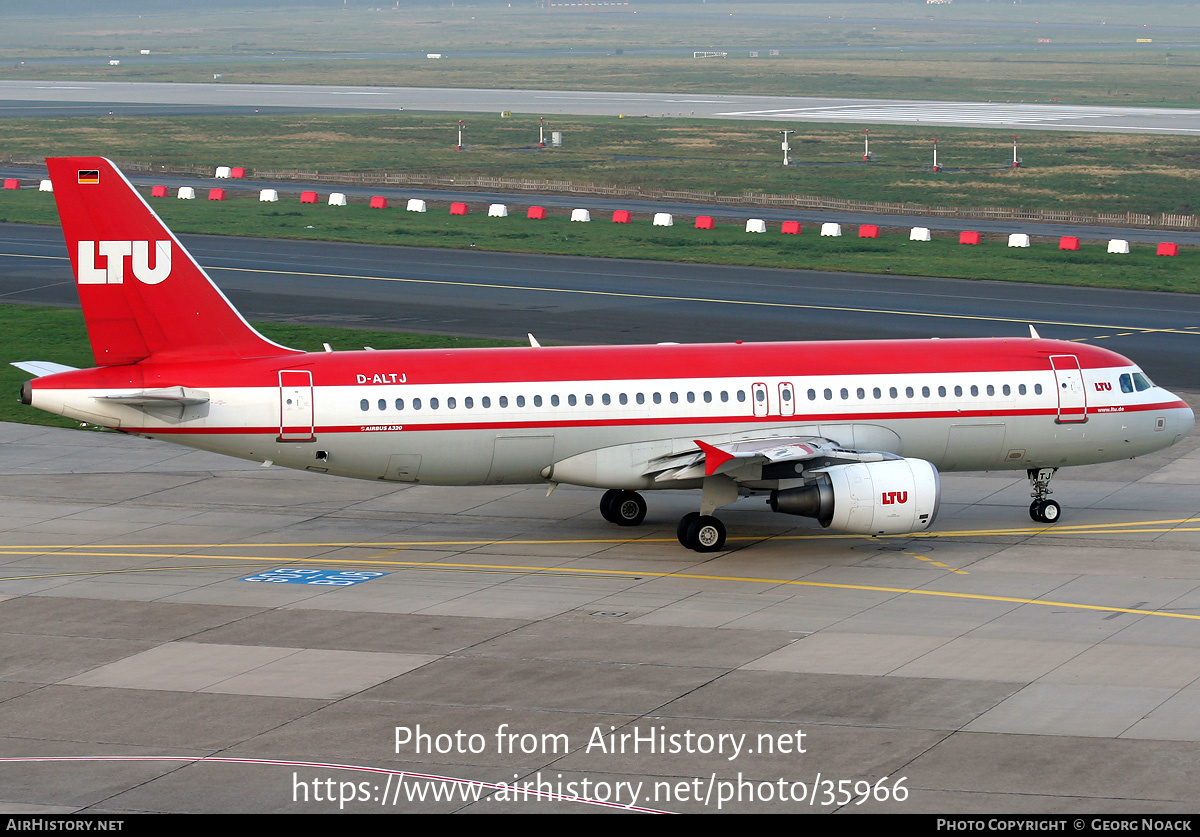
{"x": 115, "y": 253}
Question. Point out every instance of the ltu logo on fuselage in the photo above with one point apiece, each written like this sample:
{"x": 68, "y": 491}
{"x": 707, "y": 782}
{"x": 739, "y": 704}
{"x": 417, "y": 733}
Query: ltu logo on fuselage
{"x": 115, "y": 253}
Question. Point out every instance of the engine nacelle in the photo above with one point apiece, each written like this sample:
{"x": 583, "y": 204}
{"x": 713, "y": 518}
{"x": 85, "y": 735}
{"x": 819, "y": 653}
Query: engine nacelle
{"x": 868, "y": 498}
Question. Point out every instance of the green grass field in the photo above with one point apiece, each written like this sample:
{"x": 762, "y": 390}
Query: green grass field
{"x": 58, "y": 335}
{"x": 1085, "y": 172}
{"x": 981, "y": 51}
{"x": 727, "y": 244}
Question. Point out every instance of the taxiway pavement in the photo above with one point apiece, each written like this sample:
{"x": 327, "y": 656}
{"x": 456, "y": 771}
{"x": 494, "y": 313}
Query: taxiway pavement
{"x": 996, "y": 667}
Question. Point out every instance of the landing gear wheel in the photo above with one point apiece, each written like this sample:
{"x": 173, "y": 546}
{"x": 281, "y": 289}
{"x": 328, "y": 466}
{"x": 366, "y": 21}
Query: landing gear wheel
{"x": 606, "y": 505}
{"x": 1051, "y": 511}
{"x": 627, "y": 508}
{"x": 681, "y": 531}
{"x": 1041, "y": 509}
{"x": 706, "y": 534}
{"x": 1045, "y": 511}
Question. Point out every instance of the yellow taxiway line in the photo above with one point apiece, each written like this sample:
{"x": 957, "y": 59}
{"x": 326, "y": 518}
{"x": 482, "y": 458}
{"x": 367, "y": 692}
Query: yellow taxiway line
{"x": 150, "y": 551}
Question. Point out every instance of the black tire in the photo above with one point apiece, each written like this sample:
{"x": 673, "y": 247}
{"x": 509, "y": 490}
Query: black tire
{"x": 1035, "y": 511}
{"x": 628, "y": 509}
{"x": 706, "y": 534}
{"x": 606, "y": 505}
{"x": 681, "y": 531}
{"x": 1051, "y": 511}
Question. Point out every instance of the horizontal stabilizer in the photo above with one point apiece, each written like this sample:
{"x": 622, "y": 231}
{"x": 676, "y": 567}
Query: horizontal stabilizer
{"x": 169, "y": 396}
{"x": 42, "y": 368}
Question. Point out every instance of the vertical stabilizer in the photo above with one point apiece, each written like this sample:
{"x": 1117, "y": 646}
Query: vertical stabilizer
{"x": 143, "y": 295}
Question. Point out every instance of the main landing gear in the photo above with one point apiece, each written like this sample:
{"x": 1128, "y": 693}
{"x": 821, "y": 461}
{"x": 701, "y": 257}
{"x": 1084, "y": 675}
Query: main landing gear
{"x": 696, "y": 530}
{"x": 624, "y": 508}
{"x": 1041, "y": 509}
{"x": 701, "y": 532}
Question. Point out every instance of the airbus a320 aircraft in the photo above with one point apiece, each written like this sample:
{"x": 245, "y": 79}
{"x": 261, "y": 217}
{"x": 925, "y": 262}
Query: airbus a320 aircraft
{"x": 849, "y": 433}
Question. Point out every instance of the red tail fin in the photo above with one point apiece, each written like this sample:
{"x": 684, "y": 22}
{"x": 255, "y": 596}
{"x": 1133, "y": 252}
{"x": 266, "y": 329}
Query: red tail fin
{"x": 143, "y": 295}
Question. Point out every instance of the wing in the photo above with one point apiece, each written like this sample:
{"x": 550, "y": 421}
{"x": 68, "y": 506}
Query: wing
{"x": 756, "y": 460}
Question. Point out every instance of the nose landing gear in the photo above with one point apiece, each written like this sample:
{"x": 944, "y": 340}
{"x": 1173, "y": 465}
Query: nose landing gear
{"x": 1041, "y": 509}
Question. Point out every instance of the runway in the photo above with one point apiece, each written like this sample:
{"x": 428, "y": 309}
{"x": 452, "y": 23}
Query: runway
{"x": 84, "y": 96}
{"x": 609, "y": 301}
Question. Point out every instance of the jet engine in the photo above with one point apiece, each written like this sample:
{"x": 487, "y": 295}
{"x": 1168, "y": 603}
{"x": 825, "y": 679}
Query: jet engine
{"x": 867, "y": 498}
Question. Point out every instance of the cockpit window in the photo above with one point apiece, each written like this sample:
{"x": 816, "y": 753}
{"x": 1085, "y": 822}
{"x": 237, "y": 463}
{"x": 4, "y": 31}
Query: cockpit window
{"x": 1126, "y": 383}
{"x": 1141, "y": 382}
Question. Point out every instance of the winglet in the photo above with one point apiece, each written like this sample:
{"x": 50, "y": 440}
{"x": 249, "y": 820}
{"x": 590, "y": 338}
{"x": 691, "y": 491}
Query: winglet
{"x": 1033, "y": 333}
{"x": 714, "y": 457}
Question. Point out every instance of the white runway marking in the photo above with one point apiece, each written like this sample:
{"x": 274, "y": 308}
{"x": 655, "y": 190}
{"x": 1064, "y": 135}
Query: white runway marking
{"x": 954, "y": 113}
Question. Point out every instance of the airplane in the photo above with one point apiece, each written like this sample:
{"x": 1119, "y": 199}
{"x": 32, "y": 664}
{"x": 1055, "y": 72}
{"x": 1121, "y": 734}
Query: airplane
{"x": 851, "y": 433}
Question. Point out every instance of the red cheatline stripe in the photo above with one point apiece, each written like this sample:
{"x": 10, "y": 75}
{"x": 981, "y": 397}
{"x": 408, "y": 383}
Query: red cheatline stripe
{"x": 372, "y": 427}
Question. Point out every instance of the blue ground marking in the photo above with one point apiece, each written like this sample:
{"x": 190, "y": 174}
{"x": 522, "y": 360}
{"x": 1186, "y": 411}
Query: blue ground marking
{"x": 327, "y": 578}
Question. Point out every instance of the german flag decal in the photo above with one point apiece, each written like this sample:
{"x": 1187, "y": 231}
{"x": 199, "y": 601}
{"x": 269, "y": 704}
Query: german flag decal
{"x": 89, "y": 176}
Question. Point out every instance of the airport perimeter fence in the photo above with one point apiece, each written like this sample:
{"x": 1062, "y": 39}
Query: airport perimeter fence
{"x": 508, "y": 184}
